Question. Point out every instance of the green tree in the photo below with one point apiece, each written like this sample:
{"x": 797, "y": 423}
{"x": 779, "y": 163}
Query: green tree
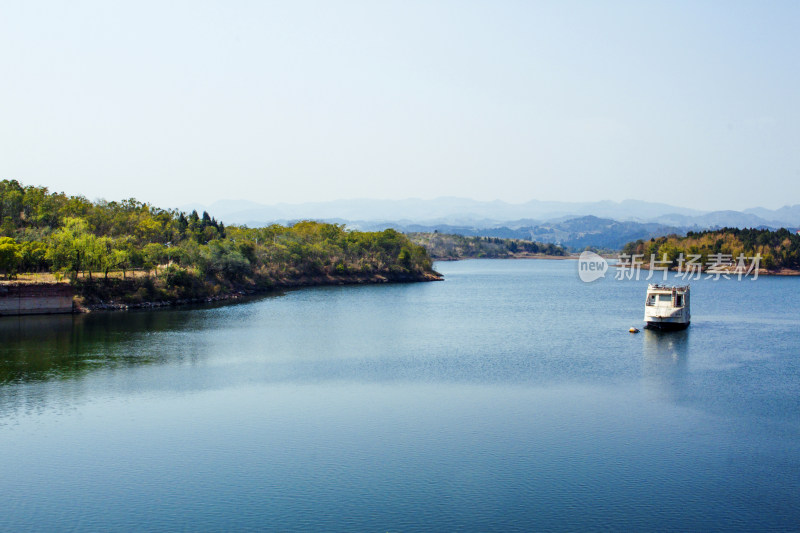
{"x": 404, "y": 258}
{"x": 10, "y": 256}
{"x": 7, "y": 228}
{"x": 155, "y": 254}
{"x": 120, "y": 259}
{"x": 34, "y": 257}
{"x": 68, "y": 246}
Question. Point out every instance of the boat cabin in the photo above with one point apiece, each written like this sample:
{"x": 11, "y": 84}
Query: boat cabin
{"x": 667, "y": 307}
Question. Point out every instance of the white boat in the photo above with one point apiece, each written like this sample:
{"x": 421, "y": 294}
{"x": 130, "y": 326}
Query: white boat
{"x": 667, "y": 307}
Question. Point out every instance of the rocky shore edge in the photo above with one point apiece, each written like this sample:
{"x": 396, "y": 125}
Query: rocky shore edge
{"x": 116, "y": 304}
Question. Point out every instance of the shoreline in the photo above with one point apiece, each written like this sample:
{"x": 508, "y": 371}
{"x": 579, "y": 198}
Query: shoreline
{"x": 116, "y": 301}
{"x": 279, "y": 286}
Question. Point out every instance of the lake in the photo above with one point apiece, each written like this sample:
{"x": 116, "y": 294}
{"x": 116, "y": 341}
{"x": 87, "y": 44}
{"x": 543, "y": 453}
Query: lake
{"x": 508, "y": 397}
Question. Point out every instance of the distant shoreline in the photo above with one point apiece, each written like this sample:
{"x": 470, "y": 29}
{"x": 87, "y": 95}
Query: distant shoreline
{"x": 788, "y": 272}
{"x": 761, "y": 271}
{"x": 514, "y": 256}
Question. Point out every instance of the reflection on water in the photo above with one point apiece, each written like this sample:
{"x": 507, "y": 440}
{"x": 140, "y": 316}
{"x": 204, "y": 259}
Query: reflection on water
{"x": 665, "y": 362}
{"x": 67, "y": 346}
{"x": 39, "y": 348}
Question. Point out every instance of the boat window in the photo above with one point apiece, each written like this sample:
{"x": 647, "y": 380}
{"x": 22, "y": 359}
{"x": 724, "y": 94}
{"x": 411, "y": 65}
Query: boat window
{"x": 651, "y": 300}
{"x": 679, "y": 301}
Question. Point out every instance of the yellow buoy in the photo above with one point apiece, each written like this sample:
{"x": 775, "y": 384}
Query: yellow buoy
{"x": 633, "y": 330}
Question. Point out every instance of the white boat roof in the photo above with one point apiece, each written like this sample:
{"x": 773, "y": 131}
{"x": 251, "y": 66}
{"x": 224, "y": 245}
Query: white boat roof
{"x": 667, "y": 288}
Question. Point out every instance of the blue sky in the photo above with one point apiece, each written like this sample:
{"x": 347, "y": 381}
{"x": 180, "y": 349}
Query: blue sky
{"x": 692, "y": 103}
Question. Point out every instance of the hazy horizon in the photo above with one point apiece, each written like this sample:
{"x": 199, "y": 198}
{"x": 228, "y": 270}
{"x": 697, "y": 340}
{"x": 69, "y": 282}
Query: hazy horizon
{"x": 673, "y": 201}
{"x": 190, "y": 102}
{"x": 666, "y": 201}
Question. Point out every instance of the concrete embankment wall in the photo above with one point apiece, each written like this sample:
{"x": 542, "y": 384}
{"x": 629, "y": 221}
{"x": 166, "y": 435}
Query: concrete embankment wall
{"x": 35, "y": 299}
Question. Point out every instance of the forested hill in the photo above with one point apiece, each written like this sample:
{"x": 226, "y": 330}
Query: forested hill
{"x": 447, "y": 246}
{"x": 187, "y": 255}
{"x": 779, "y": 250}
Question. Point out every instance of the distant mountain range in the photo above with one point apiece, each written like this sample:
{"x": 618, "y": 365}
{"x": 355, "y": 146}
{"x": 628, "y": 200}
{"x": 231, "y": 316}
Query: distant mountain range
{"x": 462, "y": 211}
{"x": 575, "y": 225}
{"x": 573, "y": 233}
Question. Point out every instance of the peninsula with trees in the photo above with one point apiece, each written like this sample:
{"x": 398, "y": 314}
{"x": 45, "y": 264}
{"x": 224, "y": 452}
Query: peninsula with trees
{"x": 130, "y": 253}
{"x": 779, "y": 250}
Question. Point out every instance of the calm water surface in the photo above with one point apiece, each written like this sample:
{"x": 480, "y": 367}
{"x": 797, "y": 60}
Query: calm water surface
{"x": 508, "y": 397}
